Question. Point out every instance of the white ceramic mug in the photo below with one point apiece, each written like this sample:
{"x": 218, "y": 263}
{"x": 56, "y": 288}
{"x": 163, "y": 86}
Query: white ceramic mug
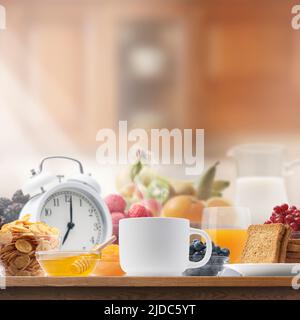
{"x": 158, "y": 246}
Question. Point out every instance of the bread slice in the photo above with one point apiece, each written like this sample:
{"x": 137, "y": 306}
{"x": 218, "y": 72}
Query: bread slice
{"x": 284, "y": 244}
{"x": 264, "y": 243}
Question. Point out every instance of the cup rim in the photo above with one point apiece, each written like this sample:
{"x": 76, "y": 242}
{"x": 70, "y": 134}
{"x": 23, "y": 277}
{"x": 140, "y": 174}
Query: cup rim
{"x": 238, "y": 208}
{"x": 154, "y": 218}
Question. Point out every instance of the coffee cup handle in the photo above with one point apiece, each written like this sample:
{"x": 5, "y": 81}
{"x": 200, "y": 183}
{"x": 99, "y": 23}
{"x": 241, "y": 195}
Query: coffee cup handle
{"x": 208, "y": 252}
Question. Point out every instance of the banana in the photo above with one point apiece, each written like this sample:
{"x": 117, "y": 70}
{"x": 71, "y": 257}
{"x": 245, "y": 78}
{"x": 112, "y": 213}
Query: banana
{"x": 220, "y": 185}
{"x": 205, "y": 185}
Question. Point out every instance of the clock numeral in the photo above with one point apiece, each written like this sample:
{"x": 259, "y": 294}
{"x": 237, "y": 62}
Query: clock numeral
{"x": 67, "y": 198}
{"x": 56, "y": 202}
{"x": 91, "y": 212}
{"x": 80, "y": 202}
{"x": 97, "y": 226}
{"x": 92, "y": 240}
{"x": 48, "y": 212}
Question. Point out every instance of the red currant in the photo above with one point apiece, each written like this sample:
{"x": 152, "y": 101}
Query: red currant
{"x": 297, "y": 213}
{"x": 293, "y": 208}
{"x": 279, "y": 220}
{"x": 297, "y": 220}
{"x": 294, "y": 226}
{"x": 277, "y": 209}
{"x": 268, "y": 222}
{"x": 284, "y": 207}
{"x": 289, "y": 218}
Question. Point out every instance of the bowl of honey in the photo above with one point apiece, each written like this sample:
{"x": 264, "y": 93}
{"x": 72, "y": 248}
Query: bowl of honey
{"x": 67, "y": 263}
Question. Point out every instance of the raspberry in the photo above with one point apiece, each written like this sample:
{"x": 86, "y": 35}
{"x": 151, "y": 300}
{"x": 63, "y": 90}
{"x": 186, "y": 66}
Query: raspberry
{"x": 116, "y": 217}
{"x": 115, "y": 203}
{"x": 138, "y": 211}
{"x": 153, "y": 206}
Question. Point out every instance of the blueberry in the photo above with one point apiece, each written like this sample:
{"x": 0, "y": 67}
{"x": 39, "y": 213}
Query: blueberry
{"x": 197, "y": 256}
{"x": 225, "y": 252}
{"x": 203, "y": 251}
{"x": 192, "y": 249}
{"x": 217, "y": 249}
{"x": 199, "y": 246}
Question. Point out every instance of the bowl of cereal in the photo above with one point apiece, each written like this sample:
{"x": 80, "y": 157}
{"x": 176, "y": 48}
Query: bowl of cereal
{"x": 19, "y": 242}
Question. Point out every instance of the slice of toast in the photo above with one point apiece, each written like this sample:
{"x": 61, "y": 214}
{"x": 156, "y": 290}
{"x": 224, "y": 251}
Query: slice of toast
{"x": 266, "y": 243}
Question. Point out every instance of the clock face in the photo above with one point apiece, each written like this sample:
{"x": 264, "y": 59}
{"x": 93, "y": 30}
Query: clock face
{"x": 77, "y": 217}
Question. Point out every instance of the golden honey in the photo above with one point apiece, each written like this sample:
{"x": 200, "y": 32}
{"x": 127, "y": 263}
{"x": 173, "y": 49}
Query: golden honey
{"x": 78, "y": 265}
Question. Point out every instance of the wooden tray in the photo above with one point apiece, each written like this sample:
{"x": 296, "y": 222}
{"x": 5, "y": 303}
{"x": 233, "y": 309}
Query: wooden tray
{"x": 149, "y": 288}
{"x": 148, "y": 281}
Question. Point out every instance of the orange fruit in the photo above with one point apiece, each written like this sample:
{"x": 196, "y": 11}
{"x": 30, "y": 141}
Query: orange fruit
{"x": 109, "y": 264}
{"x": 184, "y": 206}
{"x": 218, "y": 202}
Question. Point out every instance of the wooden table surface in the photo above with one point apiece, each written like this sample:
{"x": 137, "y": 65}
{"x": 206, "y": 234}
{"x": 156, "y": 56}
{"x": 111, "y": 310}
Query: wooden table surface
{"x": 151, "y": 288}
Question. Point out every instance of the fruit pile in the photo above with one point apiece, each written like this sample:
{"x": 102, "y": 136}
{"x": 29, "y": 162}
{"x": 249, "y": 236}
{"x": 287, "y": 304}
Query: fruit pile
{"x": 198, "y": 250}
{"x": 172, "y": 198}
{"x": 11, "y": 208}
{"x": 286, "y": 214}
{"x": 214, "y": 265}
{"x": 117, "y": 207}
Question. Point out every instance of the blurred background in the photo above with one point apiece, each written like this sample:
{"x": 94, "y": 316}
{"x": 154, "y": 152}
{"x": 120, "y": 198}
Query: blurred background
{"x": 71, "y": 67}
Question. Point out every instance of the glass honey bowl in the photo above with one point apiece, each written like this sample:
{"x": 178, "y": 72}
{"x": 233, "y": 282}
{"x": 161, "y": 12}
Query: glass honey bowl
{"x": 67, "y": 263}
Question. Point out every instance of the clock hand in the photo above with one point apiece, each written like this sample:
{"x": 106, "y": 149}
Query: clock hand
{"x": 71, "y": 210}
{"x": 70, "y": 225}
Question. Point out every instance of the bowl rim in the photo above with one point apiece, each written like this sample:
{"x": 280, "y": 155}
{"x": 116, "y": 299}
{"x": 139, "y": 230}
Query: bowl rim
{"x": 60, "y": 253}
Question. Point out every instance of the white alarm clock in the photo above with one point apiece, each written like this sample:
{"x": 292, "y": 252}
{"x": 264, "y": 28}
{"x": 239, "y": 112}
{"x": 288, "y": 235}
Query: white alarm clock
{"x": 73, "y": 205}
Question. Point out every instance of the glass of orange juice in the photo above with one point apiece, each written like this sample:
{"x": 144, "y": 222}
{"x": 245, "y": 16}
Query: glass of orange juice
{"x": 227, "y": 227}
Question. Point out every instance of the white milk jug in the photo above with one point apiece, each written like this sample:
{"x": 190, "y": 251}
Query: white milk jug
{"x": 260, "y": 183}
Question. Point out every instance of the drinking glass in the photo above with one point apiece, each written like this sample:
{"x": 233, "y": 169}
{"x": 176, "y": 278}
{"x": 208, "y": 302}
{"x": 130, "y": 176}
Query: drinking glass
{"x": 227, "y": 227}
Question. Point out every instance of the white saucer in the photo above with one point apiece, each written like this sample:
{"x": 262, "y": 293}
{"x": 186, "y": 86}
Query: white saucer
{"x": 266, "y": 269}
